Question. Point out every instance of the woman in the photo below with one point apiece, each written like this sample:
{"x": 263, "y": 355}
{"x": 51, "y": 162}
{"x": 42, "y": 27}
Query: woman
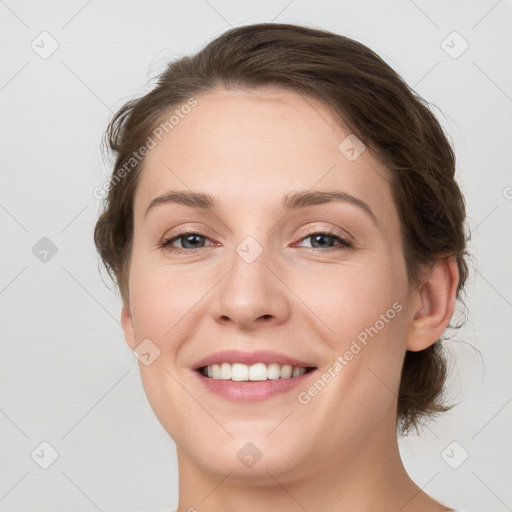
{"x": 288, "y": 239}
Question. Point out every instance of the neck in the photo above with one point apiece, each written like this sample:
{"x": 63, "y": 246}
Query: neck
{"x": 363, "y": 476}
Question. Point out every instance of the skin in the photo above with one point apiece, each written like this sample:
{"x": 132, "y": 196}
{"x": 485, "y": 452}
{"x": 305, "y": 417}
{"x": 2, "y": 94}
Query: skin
{"x": 248, "y": 149}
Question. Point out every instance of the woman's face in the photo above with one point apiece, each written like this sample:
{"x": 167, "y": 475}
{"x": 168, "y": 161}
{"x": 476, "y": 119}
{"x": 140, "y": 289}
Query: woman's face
{"x": 259, "y": 276}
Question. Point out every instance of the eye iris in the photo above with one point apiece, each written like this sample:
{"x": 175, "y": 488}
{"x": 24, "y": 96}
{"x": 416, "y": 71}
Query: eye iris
{"x": 320, "y": 236}
{"x": 188, "y": 238}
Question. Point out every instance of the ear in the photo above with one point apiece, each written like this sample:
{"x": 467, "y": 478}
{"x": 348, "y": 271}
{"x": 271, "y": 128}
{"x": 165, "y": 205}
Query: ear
{"x": 129, "y": 330}
{"x": 433, "y": 305}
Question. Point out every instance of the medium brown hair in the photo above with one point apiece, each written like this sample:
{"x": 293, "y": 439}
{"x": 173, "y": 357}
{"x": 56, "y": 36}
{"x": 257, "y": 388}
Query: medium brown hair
{"x": 371, "y": 99}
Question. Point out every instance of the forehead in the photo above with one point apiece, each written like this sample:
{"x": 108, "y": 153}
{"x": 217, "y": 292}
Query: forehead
{"x": 257, "y": 145}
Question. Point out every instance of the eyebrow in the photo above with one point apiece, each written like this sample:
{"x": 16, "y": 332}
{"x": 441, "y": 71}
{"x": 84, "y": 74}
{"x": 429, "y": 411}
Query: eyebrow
{"x": 292, "y": 201}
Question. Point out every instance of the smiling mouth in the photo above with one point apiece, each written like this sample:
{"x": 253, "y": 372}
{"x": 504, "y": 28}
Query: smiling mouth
{"x": 258, "y": 372}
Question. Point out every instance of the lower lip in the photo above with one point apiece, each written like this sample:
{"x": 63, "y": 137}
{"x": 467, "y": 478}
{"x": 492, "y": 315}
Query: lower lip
{"x": 252, "y": 391}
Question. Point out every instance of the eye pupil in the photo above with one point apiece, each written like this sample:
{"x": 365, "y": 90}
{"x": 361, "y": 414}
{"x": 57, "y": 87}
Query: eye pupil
{"x": 190, "y": 239}
{"x": 320, "y": 237}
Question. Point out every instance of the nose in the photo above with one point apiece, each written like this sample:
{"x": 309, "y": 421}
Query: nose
{"x": 252, "y": 294}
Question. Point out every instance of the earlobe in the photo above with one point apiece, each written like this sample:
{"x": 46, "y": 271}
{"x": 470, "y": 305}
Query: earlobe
{"x": 436, "y": 299}
{"x": 127, "y": 323}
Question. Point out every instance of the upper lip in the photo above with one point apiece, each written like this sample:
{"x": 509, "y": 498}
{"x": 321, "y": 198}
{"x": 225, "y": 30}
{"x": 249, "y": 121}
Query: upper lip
{"x": 249, "y": 358}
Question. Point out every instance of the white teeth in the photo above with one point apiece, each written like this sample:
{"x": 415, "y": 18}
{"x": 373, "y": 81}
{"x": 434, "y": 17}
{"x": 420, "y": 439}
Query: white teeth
{"x": 273, "y": 371}
{"x": 238, "y": 371}
{"x": 297, "y": 371}
{"x": 225, "y": 371}
{"x": 256, "y": 372}
{"x": 286, "y": 371}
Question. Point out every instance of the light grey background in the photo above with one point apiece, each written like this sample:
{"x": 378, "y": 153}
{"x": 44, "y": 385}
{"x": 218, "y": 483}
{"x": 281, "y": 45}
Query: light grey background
{"x": 66, "y": 375}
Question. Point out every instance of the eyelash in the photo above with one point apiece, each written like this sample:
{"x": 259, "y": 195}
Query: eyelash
{"x": 166, "y": 243}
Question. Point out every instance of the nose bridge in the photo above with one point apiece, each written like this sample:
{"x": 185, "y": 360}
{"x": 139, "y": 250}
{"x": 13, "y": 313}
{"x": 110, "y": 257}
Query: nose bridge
{"x": 250, "y": 290}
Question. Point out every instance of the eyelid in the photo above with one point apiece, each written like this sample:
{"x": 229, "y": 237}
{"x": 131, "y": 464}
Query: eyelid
{"x": 330, "y": 231}
{"x": 346, "y": 239}
{"x": 181, "y": 232}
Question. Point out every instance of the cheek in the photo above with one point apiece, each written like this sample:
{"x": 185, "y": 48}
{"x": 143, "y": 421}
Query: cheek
{"x": 161, "y": 295}
{"x": 351, "y": 297}
{"x": 364, "y": 309}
